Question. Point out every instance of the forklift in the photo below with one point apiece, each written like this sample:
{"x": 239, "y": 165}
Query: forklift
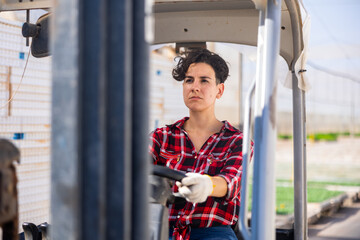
{"x": 100, "y": 64}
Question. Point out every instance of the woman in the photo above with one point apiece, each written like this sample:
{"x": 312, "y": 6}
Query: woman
{"x": 208, "y": 150}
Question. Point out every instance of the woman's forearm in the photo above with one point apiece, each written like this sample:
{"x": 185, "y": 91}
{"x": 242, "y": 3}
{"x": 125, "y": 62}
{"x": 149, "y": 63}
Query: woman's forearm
{"x": 220, "y": 187}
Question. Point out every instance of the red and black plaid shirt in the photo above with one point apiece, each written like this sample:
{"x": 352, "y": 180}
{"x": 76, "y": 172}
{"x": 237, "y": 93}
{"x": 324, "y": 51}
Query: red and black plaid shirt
{"x": 219, "y": 156}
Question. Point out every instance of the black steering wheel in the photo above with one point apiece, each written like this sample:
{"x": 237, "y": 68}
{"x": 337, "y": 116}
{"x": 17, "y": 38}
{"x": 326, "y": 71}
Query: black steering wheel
{"x": 168, "y": 173}
{"x": 163, "y": 193}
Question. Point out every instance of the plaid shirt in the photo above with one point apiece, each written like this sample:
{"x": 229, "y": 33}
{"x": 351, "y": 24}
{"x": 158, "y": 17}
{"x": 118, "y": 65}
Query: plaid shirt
{"x": 219, "y": 156}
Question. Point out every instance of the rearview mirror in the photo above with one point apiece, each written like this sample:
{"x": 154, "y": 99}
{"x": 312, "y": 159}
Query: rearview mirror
{"x": 40, "y": 36}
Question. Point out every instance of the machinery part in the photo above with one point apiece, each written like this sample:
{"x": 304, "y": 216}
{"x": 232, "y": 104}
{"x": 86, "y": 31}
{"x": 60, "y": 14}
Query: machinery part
{"x": 44, "y": 228}
{"x": 31, "y": 231}
{"x": 8, "y": 194}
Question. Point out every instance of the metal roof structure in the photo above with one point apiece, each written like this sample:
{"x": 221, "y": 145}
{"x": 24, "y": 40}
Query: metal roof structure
{"x": 13, "y": 5}
{"x": 231, "y": 21}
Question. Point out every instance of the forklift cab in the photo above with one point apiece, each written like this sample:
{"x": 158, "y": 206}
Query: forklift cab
{"x": 276, "y": 27}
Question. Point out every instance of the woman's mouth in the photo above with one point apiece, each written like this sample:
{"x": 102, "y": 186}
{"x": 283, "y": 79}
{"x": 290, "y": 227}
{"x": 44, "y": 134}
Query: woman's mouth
{"x": 195, "y": 98}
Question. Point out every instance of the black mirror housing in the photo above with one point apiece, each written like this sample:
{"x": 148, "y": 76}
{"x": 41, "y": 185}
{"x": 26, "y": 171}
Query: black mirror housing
{"x": 40, "y": 36}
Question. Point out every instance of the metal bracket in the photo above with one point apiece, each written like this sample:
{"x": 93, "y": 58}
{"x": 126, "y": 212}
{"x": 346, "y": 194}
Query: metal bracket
{"x": 189, "y": 45}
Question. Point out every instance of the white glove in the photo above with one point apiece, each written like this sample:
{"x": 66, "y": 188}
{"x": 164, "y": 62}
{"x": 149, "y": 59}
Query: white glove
{"x": 195, "y": 187}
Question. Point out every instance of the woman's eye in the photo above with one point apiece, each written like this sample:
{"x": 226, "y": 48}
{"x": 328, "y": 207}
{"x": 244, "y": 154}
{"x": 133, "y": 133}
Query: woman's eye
{"x": 188, "y": 80}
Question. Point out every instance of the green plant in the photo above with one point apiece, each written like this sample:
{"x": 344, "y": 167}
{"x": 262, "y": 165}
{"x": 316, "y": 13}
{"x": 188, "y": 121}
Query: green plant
{"x": 323, "y": 136}
{"x": 284, "y": 136}
{"x": 328, "y": 136}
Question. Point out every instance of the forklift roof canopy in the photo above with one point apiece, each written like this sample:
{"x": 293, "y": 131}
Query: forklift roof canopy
{"x": 231, "y": 21}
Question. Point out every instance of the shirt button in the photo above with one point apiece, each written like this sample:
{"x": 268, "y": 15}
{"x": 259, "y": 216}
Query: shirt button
{"x": 195, "y": 157}
{"x": 178, "y": 216}
{"x": 208, "y": 143}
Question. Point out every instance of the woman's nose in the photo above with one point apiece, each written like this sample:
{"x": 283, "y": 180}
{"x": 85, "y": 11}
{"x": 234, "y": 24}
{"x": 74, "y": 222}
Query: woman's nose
{"x": 195, "y": 86}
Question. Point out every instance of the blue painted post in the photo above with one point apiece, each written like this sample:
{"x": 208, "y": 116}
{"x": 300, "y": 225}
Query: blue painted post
{"x": 263, "y": 218}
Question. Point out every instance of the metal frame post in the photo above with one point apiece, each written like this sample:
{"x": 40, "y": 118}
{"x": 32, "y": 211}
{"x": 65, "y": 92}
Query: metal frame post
{"x": 118, "y": 114}
{"x": 100, "y": 120}
{"x": 299, "y": 130}
{"x": 299, "y": 133}
{"x": 305, "y": 219}
{"x": 243, "y": 213}
{"x": 140, "y": 118}
{"x": 241, "y": 105}
{"x": 257, "y": 112}
{"x": 263, "y": 218}
{"x": 91, "y": 117}
{"x": 65, "y": 186}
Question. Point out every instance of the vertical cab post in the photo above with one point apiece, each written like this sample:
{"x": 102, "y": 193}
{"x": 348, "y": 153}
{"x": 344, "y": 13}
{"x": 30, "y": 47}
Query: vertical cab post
{"x": 263, "y": 217}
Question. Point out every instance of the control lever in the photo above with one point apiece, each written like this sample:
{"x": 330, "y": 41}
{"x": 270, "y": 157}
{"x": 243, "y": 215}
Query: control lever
{"x": 44, "y": 228}
{"x": 31, "y": 231}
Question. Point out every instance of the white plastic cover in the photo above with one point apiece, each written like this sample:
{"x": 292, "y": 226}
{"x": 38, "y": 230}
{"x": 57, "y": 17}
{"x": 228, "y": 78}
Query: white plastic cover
{"x": 260, "y": 4}
{"x": 300, "y": 65}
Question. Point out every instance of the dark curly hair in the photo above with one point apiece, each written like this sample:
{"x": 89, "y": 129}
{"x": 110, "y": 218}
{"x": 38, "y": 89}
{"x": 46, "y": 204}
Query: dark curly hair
{"x": 200, "y": 55}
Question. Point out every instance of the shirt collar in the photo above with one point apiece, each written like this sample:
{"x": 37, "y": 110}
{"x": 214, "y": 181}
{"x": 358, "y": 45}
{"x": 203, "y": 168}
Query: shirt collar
{"x": 229, "y": 127}
{"x": 180, "y": 123}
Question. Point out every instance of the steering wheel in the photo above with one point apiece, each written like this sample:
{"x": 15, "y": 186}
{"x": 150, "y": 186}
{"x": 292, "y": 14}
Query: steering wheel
{"x": 168, "y": 173}
{"x": 163, "y": 193}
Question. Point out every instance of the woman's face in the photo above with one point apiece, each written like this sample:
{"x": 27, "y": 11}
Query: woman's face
{"x": 199, "y": 87}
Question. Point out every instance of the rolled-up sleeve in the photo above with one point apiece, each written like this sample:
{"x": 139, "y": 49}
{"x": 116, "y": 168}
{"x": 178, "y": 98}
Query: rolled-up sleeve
{"x": 232, "y": 169}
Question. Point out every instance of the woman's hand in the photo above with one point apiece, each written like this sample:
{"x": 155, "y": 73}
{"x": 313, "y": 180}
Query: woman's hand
{"x": 196, "y": 188}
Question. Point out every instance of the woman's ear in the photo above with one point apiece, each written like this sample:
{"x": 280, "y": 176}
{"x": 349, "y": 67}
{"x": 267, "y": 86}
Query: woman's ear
{"x": 220, "y": 90}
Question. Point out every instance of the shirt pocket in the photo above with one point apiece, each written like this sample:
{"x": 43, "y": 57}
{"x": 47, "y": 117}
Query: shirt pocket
{"x": 214, "y": 164}
{"x": 170, "y": 158}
